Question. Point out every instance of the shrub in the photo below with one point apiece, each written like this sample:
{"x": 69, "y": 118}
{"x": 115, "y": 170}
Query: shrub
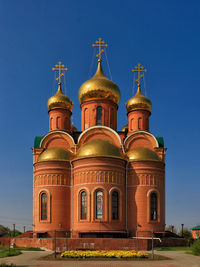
{"x": 196, "y": 247}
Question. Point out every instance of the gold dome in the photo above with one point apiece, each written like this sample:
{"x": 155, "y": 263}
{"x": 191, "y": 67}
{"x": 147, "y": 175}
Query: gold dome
{"x": 142, "y": 154}
{"x": 59, "y": 100}
{"x": 98, "y": 148}
{"x": 139, "y": 101}
{"x": 125, "y": 128}
{"x": 99, "y": 87}
{"x": 54, "y": 154}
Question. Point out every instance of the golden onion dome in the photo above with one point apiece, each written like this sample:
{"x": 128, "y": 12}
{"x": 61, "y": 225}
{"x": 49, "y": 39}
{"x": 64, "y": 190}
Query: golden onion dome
{"x": 139, "y": 101}
{"x": 125, "y": 128}
{"x": 55, "y": 154}
{"x": 99, "y": 148}
{"x": 59, "y": 100}
{"x": 99, "y": 87}
{"x": 142, "y": 154}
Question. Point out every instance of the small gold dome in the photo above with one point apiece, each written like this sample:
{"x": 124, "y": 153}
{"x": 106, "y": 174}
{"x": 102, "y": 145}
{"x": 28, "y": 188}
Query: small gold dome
{"x": 98, "y": 148}
{"x": 142, "y": 154}
{"x": 59, "y": 100}
{"x": 99, "y": 87}
{"x": 139, "y": 101}
{"x": 54, "y": 154}
{"x": 125, "y": 128}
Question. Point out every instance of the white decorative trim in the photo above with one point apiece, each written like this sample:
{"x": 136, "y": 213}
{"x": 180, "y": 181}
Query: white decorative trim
{"x": 98, "y": 187}
{"x": 153, "y": 190}
{"x": 82, "y": 189}
{"x": 147, "y": 185}
{"x": 101, "y": 127}
{"x": 99, "y": 164}
{"x": 104, "y": 183}
{"x": 56, "y": 132}
{"x": 115, "y": 188}
{"x": 134, "y": 133}
{"x": 52, "y": 186}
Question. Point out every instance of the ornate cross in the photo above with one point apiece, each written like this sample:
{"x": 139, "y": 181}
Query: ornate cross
{"x": 59, "y": 67}
{"x": 99, "y": 43}
{"x": 139, "y": 69}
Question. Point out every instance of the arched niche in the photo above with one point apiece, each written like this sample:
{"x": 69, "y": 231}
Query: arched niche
{"x": 100, "y": 132}
{"x": 140, "y": 139}
{"x": 58, "y": 139}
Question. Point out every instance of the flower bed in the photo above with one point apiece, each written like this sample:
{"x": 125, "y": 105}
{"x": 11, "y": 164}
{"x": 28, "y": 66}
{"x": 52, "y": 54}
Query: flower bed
{"x": 103, "y": 254}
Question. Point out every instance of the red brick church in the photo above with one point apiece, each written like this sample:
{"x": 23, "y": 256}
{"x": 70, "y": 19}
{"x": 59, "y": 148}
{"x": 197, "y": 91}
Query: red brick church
{"x": 100, "y": 182}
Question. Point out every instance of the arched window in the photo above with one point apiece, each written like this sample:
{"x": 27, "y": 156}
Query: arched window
{"x": 99, "y": 205}
{"x": 153, "y": 209}
{"x": 99, "y": 115}
{"x": 86, "y": 118}
{"x": 111, "y": 118}
{"x": 43, "y": 206}
{"x": 139, "y": 123}
{"x": 51, "y": 123}
{"x": 115, "y": 205}
{"x": 131, "y": 128}
{"x": 83, "y": 205}
{"x": 58, "y": 119}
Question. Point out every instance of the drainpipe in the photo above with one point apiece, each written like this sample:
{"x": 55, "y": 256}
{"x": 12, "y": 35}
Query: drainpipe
{"x": 126, "y": 197}
{"x": 72, "y": 198}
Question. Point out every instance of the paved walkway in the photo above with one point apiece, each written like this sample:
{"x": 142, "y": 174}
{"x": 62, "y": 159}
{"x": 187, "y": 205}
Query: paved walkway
{"x": 178, "y": 259}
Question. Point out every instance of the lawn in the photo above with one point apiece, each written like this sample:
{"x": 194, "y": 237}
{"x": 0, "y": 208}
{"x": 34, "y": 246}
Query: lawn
{"x": 174, "y": 249}
{"x": 6, "y": 253}
{"x": 22, "y": 248}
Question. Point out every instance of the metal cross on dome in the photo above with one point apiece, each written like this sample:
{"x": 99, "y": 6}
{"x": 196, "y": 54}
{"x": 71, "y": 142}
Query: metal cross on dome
{"x": 139, "y": 68}
{"x": 59, "y": 67}
{"x": 99, "y": 43}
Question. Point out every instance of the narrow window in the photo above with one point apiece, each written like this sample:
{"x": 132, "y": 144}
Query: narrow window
{"x": 115, "y": 205}
{"x": 99, "y": 115}
{"x": 83, "y": 205}
{"x": 132, "y": 124}
{"x": 43, "y": 206}
{"x": 86, "y": 118}
{"x": 99, "y": 204}
{"x": 58, "y": 122}
{"x": 111, "y": 118}
{"x": 139, "y": 123}
{"x": 153, "y": 203}
{"x": 51, "y": 123}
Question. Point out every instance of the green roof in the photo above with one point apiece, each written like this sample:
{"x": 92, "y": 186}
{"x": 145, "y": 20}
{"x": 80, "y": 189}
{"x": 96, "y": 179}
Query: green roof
{"x": 37, "y": 141}
{"x": 196, "y": 227}
{"x": 160, "y": 141}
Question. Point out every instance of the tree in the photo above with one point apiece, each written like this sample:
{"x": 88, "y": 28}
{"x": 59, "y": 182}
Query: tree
{"x": 171, "y": 228}
{"x": 187, "y": 234}
{"x": 4, "y": 230}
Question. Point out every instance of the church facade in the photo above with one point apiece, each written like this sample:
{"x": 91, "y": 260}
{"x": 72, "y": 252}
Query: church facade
{"x": 99, "y": 182}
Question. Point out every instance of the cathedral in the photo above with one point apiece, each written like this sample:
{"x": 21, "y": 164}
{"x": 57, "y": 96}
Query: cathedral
{"x": 100, "y": 182}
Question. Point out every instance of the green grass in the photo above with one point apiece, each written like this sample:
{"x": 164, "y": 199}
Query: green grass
{"x": 29, "y": 248}
{"x": 174, "y": 249}
{"x": 7, "y": 253}
{"x": 22, "y": 248}
{"x": 4, "y": 264}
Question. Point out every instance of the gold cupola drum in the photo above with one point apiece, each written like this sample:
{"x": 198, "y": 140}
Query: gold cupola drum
{"x": 139, "y": 106}
{"x": 99, "y": 86}
{"x": 59, "y": 105}
{"x": 99, "y": 96}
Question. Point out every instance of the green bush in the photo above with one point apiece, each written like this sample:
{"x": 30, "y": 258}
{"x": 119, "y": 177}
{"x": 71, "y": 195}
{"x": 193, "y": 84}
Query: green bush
{"x": 196, "y": 247}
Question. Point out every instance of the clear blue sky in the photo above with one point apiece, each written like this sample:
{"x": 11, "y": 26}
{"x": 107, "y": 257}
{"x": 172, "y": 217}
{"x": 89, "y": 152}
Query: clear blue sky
{"x": 162, "y": 35}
